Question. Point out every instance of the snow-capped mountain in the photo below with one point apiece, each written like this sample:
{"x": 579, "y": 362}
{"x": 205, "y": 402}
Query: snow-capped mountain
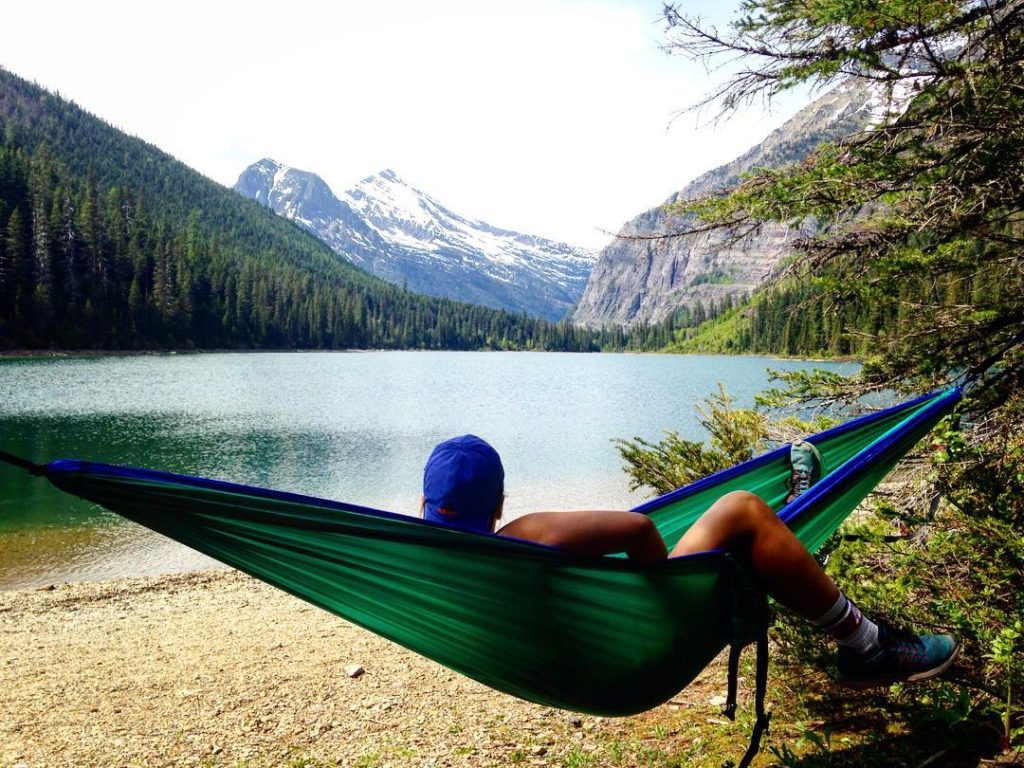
{"x": 406, "y": 237}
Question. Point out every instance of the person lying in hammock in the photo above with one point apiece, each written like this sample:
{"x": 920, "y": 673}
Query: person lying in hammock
{"x": 463, "y": 486}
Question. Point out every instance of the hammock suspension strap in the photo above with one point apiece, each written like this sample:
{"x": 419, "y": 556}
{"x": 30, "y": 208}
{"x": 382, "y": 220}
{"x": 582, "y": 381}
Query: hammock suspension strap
{"x": 760, "y": 688}
{"x": 749, "y": 619}
{"x": 28, "y": 466}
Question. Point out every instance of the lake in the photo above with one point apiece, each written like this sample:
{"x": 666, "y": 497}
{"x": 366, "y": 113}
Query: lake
{"x": 355, "y": 426}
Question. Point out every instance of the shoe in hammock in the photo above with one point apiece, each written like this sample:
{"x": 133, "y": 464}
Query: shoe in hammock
{"x": 805, "y": 461}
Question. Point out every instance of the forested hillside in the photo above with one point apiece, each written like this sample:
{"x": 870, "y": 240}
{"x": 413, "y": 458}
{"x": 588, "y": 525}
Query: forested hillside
{"x": 108, "y": 242}
{"x": 816, "y": 316}
{"x": 790, "y": 318}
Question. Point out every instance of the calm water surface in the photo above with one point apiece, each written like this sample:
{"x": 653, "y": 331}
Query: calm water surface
{"x": 351, "y": 426}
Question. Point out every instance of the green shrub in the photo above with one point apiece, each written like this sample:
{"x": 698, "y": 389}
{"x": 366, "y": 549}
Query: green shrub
{"x": 941, "y": 549}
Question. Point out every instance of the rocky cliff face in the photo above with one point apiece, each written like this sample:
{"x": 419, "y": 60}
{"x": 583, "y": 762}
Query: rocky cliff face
{"x": 646, "y": 280}
{"x": 408, "y": 238}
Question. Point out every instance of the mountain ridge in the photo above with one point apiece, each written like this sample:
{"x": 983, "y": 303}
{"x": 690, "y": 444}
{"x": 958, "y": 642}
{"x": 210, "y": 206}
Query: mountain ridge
{"x": 407, "y": 237}
{"x": 641, "y": 278}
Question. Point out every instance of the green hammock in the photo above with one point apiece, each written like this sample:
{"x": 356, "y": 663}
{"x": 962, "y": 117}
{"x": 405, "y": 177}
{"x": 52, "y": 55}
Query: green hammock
{"x": 599, "y": 635}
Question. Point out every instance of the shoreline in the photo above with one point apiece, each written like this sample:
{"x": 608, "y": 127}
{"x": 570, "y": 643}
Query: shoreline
{"x": 214, "y": 668}
{"x": 88, "y": 354}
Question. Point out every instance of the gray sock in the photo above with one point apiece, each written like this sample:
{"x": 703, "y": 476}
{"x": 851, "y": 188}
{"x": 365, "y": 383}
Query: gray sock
{"x": 864, "y": 637}
{"x": 835, "y": 615}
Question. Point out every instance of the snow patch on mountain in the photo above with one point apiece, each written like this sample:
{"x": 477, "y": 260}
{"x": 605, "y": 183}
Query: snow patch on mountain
{"x": 403, "y": 235}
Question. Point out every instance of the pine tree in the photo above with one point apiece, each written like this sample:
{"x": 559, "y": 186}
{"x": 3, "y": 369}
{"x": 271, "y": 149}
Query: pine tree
{"x": 938, "y": 186}
{"x": 19, "y": 269}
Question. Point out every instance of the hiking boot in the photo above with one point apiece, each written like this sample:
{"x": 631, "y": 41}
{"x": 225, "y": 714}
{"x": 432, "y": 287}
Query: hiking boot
{"x": 902, "y": 657}
{"x": 806, "y": 468}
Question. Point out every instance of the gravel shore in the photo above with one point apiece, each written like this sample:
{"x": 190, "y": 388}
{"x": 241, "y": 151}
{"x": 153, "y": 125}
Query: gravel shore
{"x": 217, "y": 669}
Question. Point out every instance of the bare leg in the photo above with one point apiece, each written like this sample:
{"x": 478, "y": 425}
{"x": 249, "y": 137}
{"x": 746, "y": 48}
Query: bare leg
{"x": 742, "y": 522}
{"x": 870, "y": 654}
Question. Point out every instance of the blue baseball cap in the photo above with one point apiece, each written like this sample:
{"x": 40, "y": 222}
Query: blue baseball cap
{"x": 463, "y": 483}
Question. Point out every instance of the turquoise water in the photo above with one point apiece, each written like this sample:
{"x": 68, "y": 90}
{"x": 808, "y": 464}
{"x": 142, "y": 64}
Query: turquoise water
{"x": 352, "y": 426}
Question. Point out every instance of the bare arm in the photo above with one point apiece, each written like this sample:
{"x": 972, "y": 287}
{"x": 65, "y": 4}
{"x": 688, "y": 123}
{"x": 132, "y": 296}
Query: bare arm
{"x": 592, "y": 533}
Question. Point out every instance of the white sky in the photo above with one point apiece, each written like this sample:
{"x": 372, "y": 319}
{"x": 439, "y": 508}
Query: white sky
{"x": 551, "y": 117}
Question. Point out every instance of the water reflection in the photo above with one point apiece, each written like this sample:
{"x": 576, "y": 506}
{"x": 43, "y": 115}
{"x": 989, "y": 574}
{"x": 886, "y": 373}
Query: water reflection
{"x": 34, "y": 557}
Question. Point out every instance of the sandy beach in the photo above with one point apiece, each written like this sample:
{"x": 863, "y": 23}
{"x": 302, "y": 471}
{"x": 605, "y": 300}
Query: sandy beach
{"x": 214, "y": 668}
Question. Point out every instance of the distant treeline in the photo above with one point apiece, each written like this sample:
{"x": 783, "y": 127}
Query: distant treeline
{"x": 108, "y": 243}
{"x": 82, "y": 267}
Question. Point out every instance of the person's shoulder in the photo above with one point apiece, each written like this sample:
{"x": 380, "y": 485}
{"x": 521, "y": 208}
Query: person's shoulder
{"x": 531, "y": 526}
